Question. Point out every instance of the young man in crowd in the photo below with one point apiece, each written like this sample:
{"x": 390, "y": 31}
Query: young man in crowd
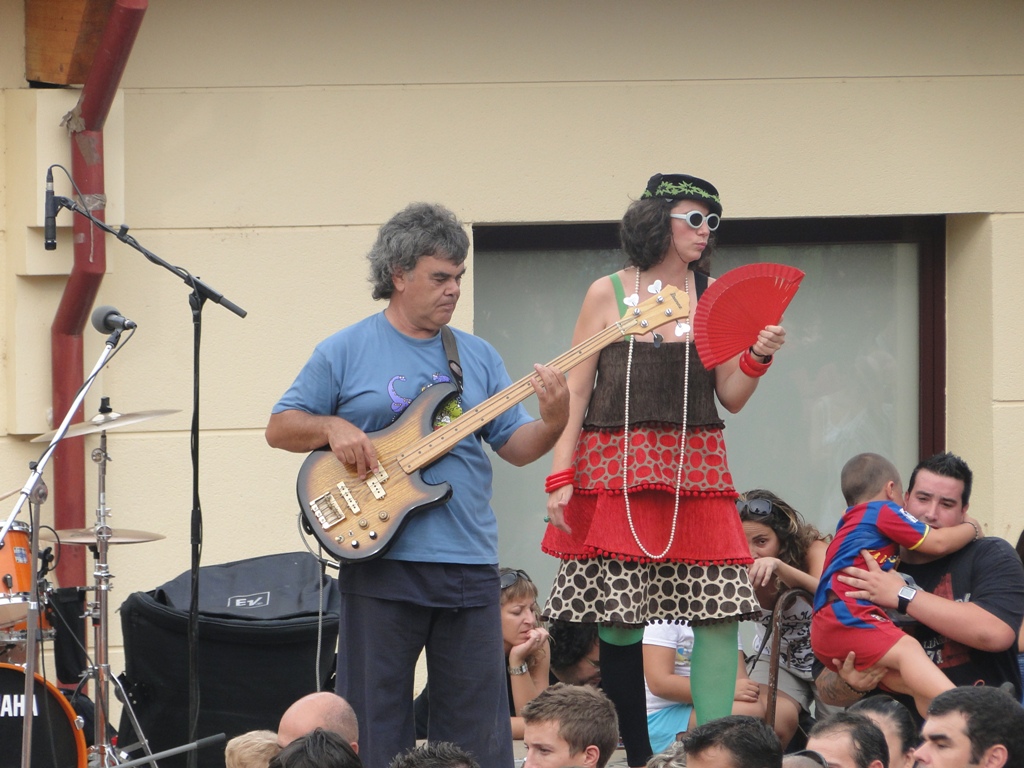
{"x": 965, "y": 609}
{"x": 737, "y": 741}
{"x": 570, "y": 726}
{"x": 972, "y": 727}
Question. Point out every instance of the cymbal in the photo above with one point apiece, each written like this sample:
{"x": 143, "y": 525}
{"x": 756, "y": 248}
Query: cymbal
{"x": 104, "y": 421}
{"x": 87, "y": 536}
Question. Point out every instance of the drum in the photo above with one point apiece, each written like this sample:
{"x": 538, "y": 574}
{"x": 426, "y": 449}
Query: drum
{"x": 57, "y": 738}
{"x": 17, "y": 632}
{"x": 17, "y": 571}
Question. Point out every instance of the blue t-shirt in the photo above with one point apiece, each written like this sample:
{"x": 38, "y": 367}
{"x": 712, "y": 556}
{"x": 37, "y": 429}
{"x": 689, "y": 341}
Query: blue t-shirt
{"x": 368, "y": 374}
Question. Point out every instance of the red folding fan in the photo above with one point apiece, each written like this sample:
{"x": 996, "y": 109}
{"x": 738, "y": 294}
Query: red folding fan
{"x": 738, "y": 305}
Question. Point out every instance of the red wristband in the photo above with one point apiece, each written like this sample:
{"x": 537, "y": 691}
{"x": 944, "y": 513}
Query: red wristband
{"x": 558, "y": 480}
{"x": 753, "y": 368}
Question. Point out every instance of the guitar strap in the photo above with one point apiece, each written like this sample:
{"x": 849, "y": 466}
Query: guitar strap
{"x": 451, "y": 351}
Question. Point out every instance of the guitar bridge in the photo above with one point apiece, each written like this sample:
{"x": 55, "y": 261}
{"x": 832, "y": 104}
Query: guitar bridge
{"x": 326, "y": 510}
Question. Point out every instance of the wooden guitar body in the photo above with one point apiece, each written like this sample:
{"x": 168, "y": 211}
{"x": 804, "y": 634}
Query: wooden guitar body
{"x": 383, "y": 501}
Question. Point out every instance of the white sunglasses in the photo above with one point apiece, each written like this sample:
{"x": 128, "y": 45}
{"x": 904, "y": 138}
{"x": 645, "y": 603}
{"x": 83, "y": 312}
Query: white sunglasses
{"x": 696, "y": 218}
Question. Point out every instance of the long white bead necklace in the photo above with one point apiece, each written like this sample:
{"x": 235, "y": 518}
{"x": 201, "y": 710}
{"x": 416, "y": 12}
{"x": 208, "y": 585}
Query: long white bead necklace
{"x": 682, "y": 436}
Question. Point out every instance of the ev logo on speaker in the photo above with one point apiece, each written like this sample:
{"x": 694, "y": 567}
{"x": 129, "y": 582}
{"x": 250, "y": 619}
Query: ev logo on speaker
{"x": 257, "y": 600}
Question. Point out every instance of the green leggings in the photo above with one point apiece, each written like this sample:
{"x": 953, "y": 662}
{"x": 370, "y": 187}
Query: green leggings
{"x": 712, "y": 668}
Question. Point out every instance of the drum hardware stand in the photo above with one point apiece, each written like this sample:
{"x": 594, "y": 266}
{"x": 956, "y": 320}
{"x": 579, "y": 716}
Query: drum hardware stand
{"x": 35, "y": 493}
{"x": 98, "y": 612}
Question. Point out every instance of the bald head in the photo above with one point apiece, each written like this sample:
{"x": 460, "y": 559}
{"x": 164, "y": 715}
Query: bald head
{"x": 319, "y": 710}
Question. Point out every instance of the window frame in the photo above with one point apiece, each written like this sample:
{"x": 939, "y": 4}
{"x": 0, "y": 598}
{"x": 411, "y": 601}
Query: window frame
{"x": 928, "y": 232}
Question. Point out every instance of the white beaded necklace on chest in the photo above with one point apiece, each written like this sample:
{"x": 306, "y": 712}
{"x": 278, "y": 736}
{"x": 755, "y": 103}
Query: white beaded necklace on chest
{"x": 682, "y": 436}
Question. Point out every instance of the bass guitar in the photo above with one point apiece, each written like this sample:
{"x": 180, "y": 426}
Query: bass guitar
{"x": 358, "y": 520}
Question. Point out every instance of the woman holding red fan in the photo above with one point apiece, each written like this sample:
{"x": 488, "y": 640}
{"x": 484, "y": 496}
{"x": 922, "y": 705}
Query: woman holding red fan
{"x": 641, "y": 502}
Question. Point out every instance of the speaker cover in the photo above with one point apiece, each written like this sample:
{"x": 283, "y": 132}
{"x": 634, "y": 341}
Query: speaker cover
{"x": 259, "y": 636}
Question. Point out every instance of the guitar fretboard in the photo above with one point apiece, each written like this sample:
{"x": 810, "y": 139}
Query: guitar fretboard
{"x": 669, "y": 305}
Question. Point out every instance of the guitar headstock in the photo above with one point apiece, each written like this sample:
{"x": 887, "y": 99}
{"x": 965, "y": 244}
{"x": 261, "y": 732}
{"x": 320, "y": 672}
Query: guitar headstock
{"x": 668, "y": 304}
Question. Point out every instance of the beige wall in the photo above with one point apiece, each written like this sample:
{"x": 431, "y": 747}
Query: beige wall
{"x": 264, "y": 142}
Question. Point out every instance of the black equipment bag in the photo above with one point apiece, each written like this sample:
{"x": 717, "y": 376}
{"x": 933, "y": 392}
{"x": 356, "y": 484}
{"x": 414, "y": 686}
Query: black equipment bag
{"x": 258, "y": 648}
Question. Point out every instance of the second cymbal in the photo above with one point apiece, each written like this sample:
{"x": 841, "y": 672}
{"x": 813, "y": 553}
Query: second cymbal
{"x": 102, "y": 422}
{"x": 87, "y": 536}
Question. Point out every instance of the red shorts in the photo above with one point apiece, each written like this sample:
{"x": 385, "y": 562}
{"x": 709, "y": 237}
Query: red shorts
{"x": 840, "y": 627}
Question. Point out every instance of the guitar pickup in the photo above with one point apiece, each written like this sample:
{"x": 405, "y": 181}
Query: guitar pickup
{"x": 380, "y": 473}
{"x": 350, "y": 500}
{"x": 326, "y": 510}
{"x": 376, "y": 488}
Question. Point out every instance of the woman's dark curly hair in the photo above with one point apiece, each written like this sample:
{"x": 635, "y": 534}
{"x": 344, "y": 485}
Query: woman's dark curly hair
{"x": 646, "y": 233}
{"x": 795, "y": 534}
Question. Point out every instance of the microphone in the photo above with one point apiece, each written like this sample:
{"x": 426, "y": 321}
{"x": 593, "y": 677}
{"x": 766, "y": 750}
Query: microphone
{"x": 107, "y": 319}
{"x": 50, "y": 222}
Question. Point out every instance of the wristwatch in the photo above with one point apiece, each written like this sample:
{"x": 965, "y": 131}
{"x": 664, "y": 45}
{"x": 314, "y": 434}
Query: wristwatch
{"x": 522, "y": 669}
{"x": 905, "y": 595}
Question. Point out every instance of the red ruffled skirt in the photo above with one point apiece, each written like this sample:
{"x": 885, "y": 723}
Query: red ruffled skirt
{"x": 707, "y": 527}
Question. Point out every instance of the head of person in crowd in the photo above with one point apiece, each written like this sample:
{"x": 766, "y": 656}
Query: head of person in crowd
{"x": 870, "y": 477}
{"x": 939, "y": 491}
{"x": 518, "y": 607}
{"x": 435, "y": 754}
{"x": 646, "y": 229}
{"x": 575, "y": 652}
{"x": 805, "y": 758}
{"x": 251, "y": 750}
{"x": 972, "y": 726}
{"x": 318, "y": 749}
{"x": 849, "y": 740}
{"x": 672, "y": 757}
{"x": 420, "y": 229}
{"x": 775, "y": 529}
{"x": 570, "y": 725}
{"x": 319, "y": 710}
{"x": 896, "y": 724}
{"x": 737, "y": 741}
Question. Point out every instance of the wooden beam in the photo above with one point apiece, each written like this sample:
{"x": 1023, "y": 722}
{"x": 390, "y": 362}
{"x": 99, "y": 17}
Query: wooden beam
{"x": 61, "y": 38}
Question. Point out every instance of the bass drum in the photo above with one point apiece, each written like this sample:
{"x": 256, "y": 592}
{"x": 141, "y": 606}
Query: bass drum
{"x": 57, "y": 738}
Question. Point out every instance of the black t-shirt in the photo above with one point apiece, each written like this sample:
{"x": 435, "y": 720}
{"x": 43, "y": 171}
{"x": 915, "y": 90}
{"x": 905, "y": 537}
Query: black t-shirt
{"x": 989, "y": 574}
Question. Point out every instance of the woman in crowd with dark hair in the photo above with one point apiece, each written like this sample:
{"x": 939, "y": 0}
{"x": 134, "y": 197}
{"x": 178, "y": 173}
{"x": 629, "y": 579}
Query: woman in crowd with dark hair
{"x": 640, "y": 539}
{"x": 896, "y": 724}
{"x": 788, "y": 553}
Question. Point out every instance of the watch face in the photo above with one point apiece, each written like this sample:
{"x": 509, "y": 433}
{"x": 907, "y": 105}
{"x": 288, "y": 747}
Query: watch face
{"x": 907, "y": 593}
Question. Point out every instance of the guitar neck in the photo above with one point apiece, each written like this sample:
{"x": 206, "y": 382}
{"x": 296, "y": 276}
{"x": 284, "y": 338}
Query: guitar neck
{"x": 439, "y": 442}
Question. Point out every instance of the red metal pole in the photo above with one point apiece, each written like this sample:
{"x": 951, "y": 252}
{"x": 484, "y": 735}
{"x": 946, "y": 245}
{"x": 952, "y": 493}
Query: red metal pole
{"x": 90, "y": 264}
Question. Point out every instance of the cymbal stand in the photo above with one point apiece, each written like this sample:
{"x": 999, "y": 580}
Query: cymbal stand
{"x": 34, "y": 491}
{"x": 98, "y": 611}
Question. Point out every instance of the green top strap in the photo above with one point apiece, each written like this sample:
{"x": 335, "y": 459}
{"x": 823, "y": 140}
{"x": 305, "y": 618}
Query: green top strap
{"x": 620, "y": 292}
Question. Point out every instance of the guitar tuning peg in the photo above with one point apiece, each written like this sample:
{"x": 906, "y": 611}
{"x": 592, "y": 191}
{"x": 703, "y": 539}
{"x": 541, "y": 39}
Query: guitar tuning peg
{"x": 657, "y": 340}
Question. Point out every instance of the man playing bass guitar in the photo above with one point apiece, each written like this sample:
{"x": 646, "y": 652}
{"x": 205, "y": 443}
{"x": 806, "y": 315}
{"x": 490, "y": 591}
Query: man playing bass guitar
{"x": 436, "y": 586}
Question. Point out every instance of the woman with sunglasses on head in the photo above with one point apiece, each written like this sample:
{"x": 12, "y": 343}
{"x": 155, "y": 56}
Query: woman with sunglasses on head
{"x": 788, "y": 553}
{"x": 527, "y": 656}
{"x": 640, "y": 539}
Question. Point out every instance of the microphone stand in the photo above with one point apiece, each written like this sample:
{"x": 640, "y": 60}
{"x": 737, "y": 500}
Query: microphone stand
{"x": 201, "y": 292}
{"x": 34, "y": 492}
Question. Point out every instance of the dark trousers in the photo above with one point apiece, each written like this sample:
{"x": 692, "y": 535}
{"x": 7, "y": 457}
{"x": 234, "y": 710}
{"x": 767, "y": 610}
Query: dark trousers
{"x": 378, "y": 647}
